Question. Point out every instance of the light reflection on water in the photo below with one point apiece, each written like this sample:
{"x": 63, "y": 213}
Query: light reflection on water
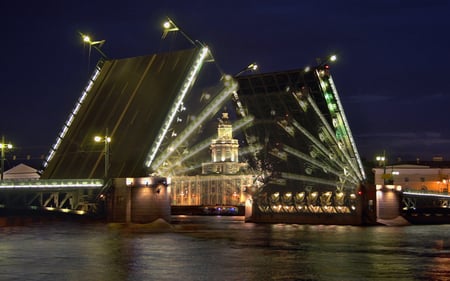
{"x": 224, "y": 248}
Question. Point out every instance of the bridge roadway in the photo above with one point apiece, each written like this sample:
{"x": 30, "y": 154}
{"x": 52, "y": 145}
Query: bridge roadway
{"x": 82, "y": 196}
{"x": 79, "y": 196}
{"x": 424, "y": 207}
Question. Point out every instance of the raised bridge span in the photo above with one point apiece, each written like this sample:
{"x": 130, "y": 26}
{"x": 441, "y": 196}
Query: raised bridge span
{"x": 158, "y": 111}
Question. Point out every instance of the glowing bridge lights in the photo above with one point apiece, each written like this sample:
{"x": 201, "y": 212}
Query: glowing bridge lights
{"x": 188, "y": 82}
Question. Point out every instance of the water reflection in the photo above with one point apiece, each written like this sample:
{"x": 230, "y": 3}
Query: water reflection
{"x": 224, "y": 248}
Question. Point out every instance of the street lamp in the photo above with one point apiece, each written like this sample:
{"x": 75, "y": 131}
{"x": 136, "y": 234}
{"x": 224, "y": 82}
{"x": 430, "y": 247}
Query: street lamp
{"x": 251, "y": 67}
{"x": 324, "y": 61}
{"x": 3, "y": 146}
{"x": 106, "y": 139}
{"x": 170, "y": 26}
{"x": 95, "y": 44}
{"x": 382, "y": 161}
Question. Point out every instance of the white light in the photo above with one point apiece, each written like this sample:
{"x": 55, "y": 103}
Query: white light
{"x": 72, "y": 115}
{"x": 86, "y": 39}
{"x": 170, "y": 117}
{"x": 40, "y": 183}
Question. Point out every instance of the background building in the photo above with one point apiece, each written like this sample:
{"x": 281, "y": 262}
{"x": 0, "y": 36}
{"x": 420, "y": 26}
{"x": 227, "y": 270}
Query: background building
{"x": 432, "y": 176}
{"x": 223, "y": 181}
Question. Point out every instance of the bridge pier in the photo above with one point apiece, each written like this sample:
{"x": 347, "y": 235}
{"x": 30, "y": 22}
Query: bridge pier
{"x": 388, "y": 204}
{"x": 138, "y": 200}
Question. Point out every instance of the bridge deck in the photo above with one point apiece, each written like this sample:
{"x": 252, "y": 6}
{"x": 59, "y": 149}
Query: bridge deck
{"x": 130, "y": 97}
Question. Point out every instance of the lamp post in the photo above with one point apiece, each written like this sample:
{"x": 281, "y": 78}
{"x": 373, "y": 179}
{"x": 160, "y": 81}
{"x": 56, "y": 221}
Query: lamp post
{"x": 106, "y": 139}
{"x": 382, "y": 161}
{"x": 170, "y": 26}
{"x": 251, "y": 67}
{"x": 3, "y": 146}
{"x": 95, "y": 44}
{"x": 324, "y": 61}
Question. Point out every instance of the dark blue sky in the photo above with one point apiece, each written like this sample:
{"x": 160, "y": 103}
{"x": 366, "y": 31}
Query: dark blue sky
{"x": 392, "y": 72}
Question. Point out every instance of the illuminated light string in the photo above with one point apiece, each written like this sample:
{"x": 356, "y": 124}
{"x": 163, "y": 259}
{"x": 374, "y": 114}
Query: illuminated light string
{"x": 42, "y": 183}
{"x": 221, "y": 98}
{"x": 349, "y": 133}
{"x": 426, "y": 194}
{"x": 313, "y": 161}
{"x": 207, "y": 142}
{"x": 331, "y": 134}
{"x": 195, "y": 69}
{"x": 359, "y": 170}
{"x": 304, "y": 178}
{"x": 336, "y": 109}
{"x": 318, "y": 144}
{"x": 71, "y": 117}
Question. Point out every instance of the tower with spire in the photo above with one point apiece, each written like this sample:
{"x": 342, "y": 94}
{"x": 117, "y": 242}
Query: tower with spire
{"x": 223, "y": 180}
{"x": 224, "y": 151}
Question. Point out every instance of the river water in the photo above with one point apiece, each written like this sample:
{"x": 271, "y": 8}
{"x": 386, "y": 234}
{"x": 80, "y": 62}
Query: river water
{"x": 223, "y": 248}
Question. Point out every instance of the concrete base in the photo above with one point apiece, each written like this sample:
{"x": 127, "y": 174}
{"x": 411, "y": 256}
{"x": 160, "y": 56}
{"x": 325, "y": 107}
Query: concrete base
{"x": 388, "y": 204}
{"x": 138, "y": 200}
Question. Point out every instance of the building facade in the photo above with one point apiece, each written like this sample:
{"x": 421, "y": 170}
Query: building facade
{"x": 431, "y": 177}
{"x": 223, "y": 181}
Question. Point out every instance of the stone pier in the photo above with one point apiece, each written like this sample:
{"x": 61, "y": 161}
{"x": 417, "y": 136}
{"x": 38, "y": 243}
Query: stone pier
{"x": 138, "y": 200}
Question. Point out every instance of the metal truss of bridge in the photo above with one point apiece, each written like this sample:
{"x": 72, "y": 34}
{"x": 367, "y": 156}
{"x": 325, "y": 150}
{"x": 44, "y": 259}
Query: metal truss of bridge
{"x": 79, "y": 196}
{"x": 299, "y": 144}
{"x": 425, "y": 207}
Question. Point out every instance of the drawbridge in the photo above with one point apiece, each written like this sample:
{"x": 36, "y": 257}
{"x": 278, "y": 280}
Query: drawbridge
{"x": 157, "y": 117}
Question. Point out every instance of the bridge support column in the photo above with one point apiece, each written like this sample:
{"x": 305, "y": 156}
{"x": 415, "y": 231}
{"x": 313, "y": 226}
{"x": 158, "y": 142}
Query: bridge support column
{"x": 388, "y": 204}
{"x": 138, "y": 200}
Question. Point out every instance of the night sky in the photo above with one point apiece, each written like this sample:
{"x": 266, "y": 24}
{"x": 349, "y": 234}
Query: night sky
{"x": 391, "y": 74}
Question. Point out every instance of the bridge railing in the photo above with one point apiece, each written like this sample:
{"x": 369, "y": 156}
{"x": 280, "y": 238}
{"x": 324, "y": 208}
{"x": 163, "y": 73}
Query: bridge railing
{"x": 78, "y": 196}
{"x": 421, "y": 192}
{"x": 51, "y": 184}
